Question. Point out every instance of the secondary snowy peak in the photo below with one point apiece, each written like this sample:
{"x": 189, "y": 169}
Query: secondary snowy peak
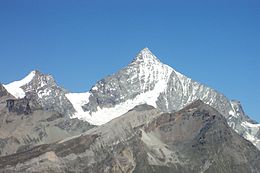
{"x": 15, "y": 89}
{"x": 43, "y": 90}
{"x": 40, "y": 80}
{"x": 48, "y": 94}
{"x": 31, "y": 83}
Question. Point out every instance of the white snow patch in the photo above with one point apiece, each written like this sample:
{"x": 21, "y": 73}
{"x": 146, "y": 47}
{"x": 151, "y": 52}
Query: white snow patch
{"x": 102, "y": 116}
{"x": 184, "y": 84}
{"x": 15, "y": 89}
{"x": 78, "y": 100}
{"x": 95, "y": 88}
{"x": 44, "y": 93}
{"x": 246, "y": 123}
{"x": 253, "y": 129}
{"x": 251, "y": 138}
{"x": 42, "y": 84}
{"x": 232, "y": 113}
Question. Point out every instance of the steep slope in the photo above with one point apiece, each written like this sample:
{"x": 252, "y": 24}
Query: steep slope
{"x": 15, "y": 87}
{"x": 24, "y": 124}
{"x": 194, "y": 139}
{"x": 147, "y": 80}
{"x": 4, "y": 95}
{"x": 44, "y": 90}
{"x": 4, "y": 92}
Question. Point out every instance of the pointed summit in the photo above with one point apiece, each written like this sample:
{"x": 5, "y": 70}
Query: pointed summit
{"x": 145, "y": 55}
{"x": 40, "y": 77}
{"x": 35, "y": 78}
{"x": 37, "y": 72}
{"x": 145, "y": 50}
{"x": 15, "y": 87}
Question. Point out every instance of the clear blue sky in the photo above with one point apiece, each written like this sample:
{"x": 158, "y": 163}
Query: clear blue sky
{"x": 216, "y": 42}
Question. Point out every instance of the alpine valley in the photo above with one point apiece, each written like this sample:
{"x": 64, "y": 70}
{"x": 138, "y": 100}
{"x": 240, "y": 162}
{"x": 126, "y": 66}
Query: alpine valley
{"x": 145, "y": 118}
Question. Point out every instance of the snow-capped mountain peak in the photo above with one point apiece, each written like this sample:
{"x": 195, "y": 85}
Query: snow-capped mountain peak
{"x": 149, "y": 70}
{"x": 43, "y": 91}
{"x": 145, "y": 56}
{"x": 15, "y": 89}
{"x": 142, "y": 81}
{"x": 147, "y": 80}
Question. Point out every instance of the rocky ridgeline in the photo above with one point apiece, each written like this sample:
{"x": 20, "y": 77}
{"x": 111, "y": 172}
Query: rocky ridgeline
{"x": 146, "y": 140}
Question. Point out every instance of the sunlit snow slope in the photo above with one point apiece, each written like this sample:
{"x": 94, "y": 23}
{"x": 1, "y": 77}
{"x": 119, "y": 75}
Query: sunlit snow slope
{"x": 15, "y": 89}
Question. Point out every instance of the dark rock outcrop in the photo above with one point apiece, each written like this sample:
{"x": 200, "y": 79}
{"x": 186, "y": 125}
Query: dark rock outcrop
{"x": 19, "y": 106}
{"x": 3, "y": 91}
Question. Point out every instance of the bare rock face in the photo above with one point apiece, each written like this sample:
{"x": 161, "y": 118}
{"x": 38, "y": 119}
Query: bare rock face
{"x": 43, "y": 90}
{"x": 194, "y": 139}
{"x": 24, "y": 123}
{"x": 4, "y": 95}
{"x": 20, "y": 106}
{"x": 3, "y": 91}
{"x": 48, "y": 94}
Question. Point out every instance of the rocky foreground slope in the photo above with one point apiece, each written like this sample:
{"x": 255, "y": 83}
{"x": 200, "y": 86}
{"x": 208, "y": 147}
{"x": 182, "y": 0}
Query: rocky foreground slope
{"x": 194, "y": 139}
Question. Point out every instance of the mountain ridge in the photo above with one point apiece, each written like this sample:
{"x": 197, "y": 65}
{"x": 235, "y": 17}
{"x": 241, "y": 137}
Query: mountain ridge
{"x": 144, "y": 80}
{"x": 142, "y": 140}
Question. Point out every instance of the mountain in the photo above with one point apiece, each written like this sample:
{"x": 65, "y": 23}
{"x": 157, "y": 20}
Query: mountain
{"x": 147, "y": 80}
{"x": 149, "y": 141}
{"x": 44, "y": 90}
{"x": 144, "y": 80}
{"x": 28, "y": 121}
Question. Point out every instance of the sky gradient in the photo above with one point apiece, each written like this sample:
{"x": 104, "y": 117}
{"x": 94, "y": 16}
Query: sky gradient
{"x": 80, "y": 41}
